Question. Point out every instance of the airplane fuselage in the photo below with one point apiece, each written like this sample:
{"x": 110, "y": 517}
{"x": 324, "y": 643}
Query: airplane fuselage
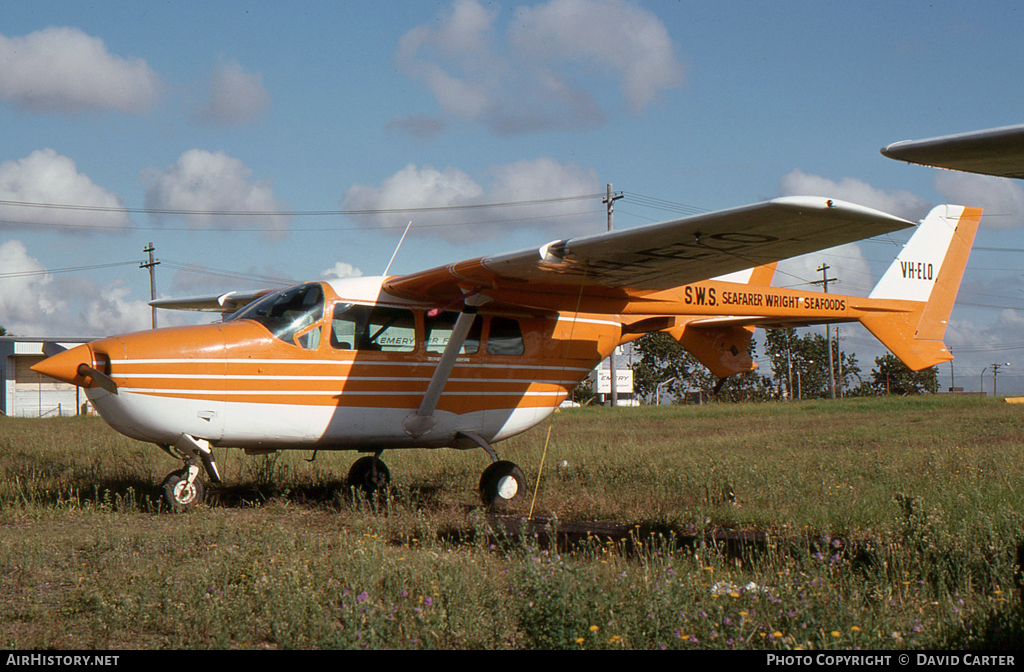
{"x": 235, "y": 384}
{"x": 342, "y": 365}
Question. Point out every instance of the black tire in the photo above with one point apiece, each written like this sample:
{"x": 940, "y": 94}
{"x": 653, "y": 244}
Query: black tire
{"x": 177, "y": 493}
{"x": 361, "y": 475}
{"x": 502, "y": 483}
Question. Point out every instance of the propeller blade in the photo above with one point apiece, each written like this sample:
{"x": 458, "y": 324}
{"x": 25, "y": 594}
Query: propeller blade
{"x": 98, "y": 377}
{"x": 50, "y": 348}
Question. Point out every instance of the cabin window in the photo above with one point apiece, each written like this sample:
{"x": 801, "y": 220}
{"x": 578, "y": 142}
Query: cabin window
{"x": 287, "y": 312}
{"x": 505, "y": 337}
{"x": 439, "y": 330}
{"x": 377, "y": 328}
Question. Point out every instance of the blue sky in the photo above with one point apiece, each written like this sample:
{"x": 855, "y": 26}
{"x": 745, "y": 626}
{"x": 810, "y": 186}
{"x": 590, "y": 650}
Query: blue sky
{"x": 331, "y": 106}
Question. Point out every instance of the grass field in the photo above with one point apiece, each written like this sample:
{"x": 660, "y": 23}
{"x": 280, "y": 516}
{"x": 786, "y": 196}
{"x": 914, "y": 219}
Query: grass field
{"x": 882, "y": 523}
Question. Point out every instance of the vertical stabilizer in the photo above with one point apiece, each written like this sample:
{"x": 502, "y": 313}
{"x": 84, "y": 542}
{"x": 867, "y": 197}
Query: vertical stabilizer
{"x": 926, "y": 275}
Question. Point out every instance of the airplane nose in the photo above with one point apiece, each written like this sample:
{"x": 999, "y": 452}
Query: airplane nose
{"x": 75, "y": 366}
{"x": 64, "y": 365}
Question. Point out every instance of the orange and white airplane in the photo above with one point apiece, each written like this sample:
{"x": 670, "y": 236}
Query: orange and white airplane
{"x": 471, "y": 353}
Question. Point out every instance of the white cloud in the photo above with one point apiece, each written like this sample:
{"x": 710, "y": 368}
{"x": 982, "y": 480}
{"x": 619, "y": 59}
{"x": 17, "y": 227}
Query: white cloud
{"x": 1002, "y": 198}
{"x": 341, "y": 270}
{"x": 47, "y": 177}
{"x": 427, "y": 187}
{"x": 900, "y": 203}
{"x": 64, "y": 70}
{"x": 206, "y": 183}
{"x": 236, "y": 97}
{"x": 611, "y": 35}
{"x": 34, "y": 303}
{"x": 531, "y": 79}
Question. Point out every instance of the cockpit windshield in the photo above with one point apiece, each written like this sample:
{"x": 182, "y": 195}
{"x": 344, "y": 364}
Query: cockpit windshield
{"x": 286, "y": 312}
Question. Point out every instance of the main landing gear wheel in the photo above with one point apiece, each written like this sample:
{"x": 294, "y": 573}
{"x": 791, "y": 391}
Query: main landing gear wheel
{"x": 369, "y": 474}
{"x": 502, "y": 482}
{"x": 179, "y": 494}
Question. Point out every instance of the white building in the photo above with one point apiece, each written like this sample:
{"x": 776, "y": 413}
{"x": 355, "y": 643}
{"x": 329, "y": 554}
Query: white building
{"x": 25, "y": 393}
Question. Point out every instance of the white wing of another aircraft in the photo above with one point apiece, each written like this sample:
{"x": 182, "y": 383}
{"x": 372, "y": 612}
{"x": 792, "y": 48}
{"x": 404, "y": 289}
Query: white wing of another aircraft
{"x": 995, "y": 151}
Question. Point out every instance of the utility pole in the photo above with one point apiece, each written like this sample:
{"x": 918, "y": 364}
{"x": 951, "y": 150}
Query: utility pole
{"x": 151, "y": 265}
{"x": 995, "y": 373}
{"x": 789, "y": 363}
{"x": 609, "y": 200}
{"x": 839, "y": 356}
{"x": 823, "y": 269}
{"x": 952, "y": 378}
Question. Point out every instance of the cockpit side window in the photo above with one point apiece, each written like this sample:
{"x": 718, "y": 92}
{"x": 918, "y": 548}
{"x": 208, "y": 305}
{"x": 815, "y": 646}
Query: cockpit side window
{"x": 356, "y": 327}
{"x": 287, "y": 312}
{"x": 439, "y": 330}
{"x": 505, "y": 337}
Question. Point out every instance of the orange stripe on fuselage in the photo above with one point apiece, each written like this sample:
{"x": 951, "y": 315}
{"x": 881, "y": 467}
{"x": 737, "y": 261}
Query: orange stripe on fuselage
{"x": 241, "y": 362}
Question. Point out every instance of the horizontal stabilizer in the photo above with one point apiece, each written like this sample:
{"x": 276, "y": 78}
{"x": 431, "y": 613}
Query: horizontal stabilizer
{"x": 216, "y": 303}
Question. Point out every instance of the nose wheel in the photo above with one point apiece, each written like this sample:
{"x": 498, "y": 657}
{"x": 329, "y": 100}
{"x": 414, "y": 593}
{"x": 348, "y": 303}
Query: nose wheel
{"x": 182, "y": 492}
{"x": 183, "y": 489}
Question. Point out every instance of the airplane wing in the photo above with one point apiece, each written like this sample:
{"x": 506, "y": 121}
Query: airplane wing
{"x": 996, "y": 151}
{"x": 605, "y": 272}
{"x": 228, "y": 302}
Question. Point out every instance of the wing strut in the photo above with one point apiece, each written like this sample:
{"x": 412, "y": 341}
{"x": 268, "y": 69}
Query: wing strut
{"x": 418, "y": 424}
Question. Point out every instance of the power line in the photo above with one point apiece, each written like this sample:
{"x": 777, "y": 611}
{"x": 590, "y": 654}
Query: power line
{"x": 298, "y": 213}
{"x": 662, "y": 204}
{"x": 234, "y": 275}
{"x": 290, "y": 229}
{"x": 69, "y": 269}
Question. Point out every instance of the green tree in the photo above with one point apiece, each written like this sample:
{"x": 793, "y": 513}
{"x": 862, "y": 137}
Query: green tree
{"x": 800, "y": 364}
{"x": 891, "y": 376}
{"x": 3, "y": 332}
{"x": 663, "y": 364}
{"x": 583, "y": 394}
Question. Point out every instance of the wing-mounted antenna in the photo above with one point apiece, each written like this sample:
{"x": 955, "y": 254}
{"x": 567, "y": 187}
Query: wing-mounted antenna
{"x": 388, "y": 267}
